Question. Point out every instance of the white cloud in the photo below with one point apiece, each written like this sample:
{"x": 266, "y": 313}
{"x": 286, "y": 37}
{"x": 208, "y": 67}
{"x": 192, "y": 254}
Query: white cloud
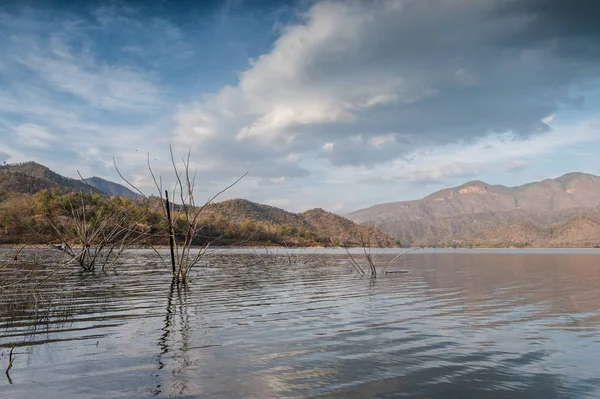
{"x": 277, "y": 180}
{"x": 351, "y": 72}
{"x": 290, "y": 158}
{"x": 517, "y": 165}
{"x": 32, "y": 135}
{"x": 445, "y": 164}
{"x": 280, "y": 202}
{"x": 328, "y": 146}
{"x": 380, "y": 141}
{"x": 10, "y": 153}
{"x": 282, "y": 92}
{"x": 548, "y": 120}
{"x": 101, "y": 85}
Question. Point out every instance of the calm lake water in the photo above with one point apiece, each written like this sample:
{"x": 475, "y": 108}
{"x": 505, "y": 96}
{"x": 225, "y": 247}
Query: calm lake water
{"x": 459, "y": 324}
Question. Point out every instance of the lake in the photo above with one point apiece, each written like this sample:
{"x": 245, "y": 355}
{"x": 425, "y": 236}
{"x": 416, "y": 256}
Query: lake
{"x": 458, "y": 324}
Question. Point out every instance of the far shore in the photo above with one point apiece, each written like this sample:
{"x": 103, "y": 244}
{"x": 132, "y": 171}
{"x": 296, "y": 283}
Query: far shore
{"x": 291, "y": 248}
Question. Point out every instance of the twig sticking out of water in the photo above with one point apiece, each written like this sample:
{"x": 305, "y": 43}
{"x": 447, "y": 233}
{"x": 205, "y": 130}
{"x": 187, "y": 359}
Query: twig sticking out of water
{"x": 354, "y": 263}
{"x": 372, "y": 261}
{"x": 366, "y": 245}
{"x": 289, "y": 256}
{"x": 11, "y": 360}
{"x": 385, "y": 271}
{"x": 367, "y": 250}
{"x": 13, "y": 258}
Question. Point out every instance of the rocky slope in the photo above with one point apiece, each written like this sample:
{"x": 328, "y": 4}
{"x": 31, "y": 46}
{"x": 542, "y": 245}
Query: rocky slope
{"x": 553, "y": 212}
{"x": 112, "y": 188}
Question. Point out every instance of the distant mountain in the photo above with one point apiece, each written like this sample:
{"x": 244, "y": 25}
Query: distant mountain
{"x": 31, "y": 177}
{"x": 322, "y": 225}
{"x": 554, "y": 212}
{"x": 111, "y": 188}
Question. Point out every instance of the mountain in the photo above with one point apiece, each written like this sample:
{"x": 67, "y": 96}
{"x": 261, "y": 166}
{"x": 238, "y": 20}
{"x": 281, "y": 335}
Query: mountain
{"x": 345, "y": 230}
{"x": 238, "y": 210}
{"x": 112, "y": 188}
{"x": 235, "y": 221}
{"x": 553, "y": 212}
{"x": 315, "y": 224}
{"x": 31, "y": 177}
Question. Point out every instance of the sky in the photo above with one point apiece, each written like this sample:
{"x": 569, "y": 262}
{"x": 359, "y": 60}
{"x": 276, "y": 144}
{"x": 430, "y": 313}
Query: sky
{"x": 332, "y": 104}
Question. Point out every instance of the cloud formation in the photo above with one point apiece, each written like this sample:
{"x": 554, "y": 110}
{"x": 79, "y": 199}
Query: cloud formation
{"x": 33, "y": 135}
{"x": 362, "y": 83}
{"x": 332, "y": 103}
{"x": 64, "y": 101}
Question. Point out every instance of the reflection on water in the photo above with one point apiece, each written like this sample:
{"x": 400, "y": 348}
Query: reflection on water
{"x": 457, "y": 325}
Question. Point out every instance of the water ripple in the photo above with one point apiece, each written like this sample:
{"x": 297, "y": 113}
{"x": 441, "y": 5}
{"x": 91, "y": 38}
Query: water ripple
{"x": 470, "y": 324}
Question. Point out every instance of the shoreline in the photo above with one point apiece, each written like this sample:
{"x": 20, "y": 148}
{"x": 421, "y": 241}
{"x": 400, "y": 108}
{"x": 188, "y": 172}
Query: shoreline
{"x": 290, "y": 248}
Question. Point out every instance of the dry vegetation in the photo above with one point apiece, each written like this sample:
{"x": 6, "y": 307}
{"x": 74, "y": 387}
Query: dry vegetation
{"x": 26, "y": 211}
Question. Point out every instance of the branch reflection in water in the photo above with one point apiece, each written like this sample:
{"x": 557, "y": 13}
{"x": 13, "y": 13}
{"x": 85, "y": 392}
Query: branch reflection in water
{"x": 174, "y": 341}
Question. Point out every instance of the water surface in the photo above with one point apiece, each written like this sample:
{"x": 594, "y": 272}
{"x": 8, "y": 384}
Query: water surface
{"x": 459, "y": 324}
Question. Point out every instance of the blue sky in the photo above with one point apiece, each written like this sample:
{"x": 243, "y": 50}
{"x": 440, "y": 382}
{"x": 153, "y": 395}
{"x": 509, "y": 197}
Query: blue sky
{"x": 333, "y": 104}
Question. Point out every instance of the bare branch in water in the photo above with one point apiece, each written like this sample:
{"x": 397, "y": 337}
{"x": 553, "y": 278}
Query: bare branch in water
{"x": 183, "y": 220}
{"x": 12, "y": 258}
{"x": 370, "y": 257}
{"x": 11, "y": 360}
{"x": 385, "y": 271}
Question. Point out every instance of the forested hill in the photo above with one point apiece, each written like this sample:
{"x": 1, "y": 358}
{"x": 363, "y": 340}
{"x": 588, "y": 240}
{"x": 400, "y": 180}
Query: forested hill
{"x": 31, "y": 177}
{"x": 30, "y": 193}
{"x": 238, "y": 210}
{"x": 344, "y": 229}
{"x": 314, "y": 226}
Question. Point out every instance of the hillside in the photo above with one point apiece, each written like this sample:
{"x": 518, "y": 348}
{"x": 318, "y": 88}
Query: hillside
{"x": 26, "y": 200}
{"x": 580, "y": 230}
{"x": 344, "y": 230}
{"x": 31, "y": 177}
{"x": 315, "y": 225}
{"x": 111, "y": 188}
{"x": 238, "y": 210}
{"x": 476, "y": 213}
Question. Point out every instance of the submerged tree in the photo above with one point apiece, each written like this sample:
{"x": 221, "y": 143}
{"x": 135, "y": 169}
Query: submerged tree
{"x": 188, "y": 233}
{"x": 367, "y": 244}
{"x": 92, "y": 230}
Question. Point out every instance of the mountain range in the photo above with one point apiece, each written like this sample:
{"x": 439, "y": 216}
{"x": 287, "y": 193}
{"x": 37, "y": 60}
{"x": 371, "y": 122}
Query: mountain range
{"x": 239, "y": 218}
{"x": 561, "y": 212}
